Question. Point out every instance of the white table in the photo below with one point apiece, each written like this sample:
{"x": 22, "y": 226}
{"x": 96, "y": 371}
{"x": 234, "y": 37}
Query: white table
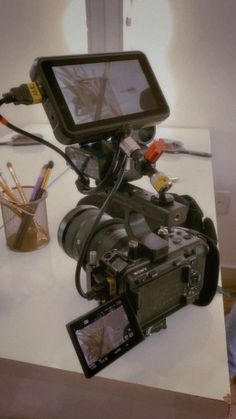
{"x": 38, "y": 295}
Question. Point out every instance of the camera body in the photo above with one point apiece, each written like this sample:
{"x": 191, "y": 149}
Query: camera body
{"x": 160, "y": 269}
{"x": 155, "y": 287}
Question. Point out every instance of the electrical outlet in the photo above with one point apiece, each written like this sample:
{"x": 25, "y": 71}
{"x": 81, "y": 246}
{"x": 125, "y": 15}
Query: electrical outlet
{"x": 222, "y": 201}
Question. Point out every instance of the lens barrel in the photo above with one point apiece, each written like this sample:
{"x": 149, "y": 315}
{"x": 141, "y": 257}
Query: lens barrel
{"x": 73, "y": 231}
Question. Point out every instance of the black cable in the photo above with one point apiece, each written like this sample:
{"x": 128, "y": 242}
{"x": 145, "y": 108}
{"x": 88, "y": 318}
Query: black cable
{"x": 40, "y": 140}
{"x": 5, "y": 122}
{"x": 111, "y": 173}
{"x": 85, "y": 246}
{"x": 115, "y": 170}
{"x": 23, "y": 95}
{"x": 83, "y": 184}
{"x": 85, "y": 188}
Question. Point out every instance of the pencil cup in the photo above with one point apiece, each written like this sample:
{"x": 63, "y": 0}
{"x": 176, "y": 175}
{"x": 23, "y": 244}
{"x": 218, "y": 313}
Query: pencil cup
{"x": 25, "y": 224}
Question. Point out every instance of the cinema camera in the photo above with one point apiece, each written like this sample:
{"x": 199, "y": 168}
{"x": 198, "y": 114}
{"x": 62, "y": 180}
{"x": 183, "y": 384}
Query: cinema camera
{"x": 142, "y": 263}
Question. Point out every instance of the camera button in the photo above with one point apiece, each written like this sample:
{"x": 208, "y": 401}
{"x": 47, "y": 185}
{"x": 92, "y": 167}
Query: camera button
{"x": 188, "y": 252}
{"x": 177, "y": 240}
{"x": 187, "y": 236}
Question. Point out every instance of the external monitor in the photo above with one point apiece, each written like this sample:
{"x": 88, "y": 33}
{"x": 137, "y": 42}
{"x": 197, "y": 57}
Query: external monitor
{"x": 87, "y": 97}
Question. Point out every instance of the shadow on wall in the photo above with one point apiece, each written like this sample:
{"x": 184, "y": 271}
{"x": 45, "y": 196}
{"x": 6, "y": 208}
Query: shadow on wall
{"x": 201, "y": 61}
{"x": 149, "y": 30}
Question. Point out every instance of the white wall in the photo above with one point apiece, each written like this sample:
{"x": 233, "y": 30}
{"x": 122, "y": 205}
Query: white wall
{"x": 32, "y": 28}
{"x": 192, "y": 46}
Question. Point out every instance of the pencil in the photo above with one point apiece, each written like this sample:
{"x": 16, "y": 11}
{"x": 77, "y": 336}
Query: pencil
{"x": 38, "y": 183}
{"x": 47, "y": 174}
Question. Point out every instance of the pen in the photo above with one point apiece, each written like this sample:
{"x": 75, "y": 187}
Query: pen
{"x": 21, "y": 140}
{"x": 47, "y": 174}
{"x": 176, "y": 147}
{"x": 43, "y": 185}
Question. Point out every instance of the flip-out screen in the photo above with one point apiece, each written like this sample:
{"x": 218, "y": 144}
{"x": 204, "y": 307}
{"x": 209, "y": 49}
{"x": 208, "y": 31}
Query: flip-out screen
{"x": 104, "y": 334}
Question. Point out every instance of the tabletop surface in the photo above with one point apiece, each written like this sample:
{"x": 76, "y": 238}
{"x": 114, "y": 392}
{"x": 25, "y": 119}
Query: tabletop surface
{"x": 38, "y": 295}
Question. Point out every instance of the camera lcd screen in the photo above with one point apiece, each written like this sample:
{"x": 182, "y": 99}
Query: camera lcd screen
{"x": 90, "y": 95}
{"x": 104, "y": 334}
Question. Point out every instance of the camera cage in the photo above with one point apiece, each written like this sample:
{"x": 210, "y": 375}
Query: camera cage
{"x": 102, "y": 117}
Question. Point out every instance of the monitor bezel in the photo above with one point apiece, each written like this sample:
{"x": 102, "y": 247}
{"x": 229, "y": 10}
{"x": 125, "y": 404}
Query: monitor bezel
{"x": 66, "y": 130}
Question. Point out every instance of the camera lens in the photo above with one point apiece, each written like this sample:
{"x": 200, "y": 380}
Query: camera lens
{"x": 75, "y": 227}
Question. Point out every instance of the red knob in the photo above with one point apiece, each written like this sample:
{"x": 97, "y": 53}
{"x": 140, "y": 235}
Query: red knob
{"x": 155, "y": 151}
